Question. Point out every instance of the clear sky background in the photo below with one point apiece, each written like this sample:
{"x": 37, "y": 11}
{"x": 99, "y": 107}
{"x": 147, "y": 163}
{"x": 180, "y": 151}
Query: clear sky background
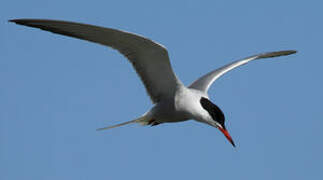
{"x": 55, "y": 91}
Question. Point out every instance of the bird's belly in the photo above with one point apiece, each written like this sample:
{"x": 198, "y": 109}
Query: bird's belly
{"x": 166, "y": 112}
{"x": 175, "y": 117}
{"x": 171, "y": 116}
{"x": 184, "y": 106}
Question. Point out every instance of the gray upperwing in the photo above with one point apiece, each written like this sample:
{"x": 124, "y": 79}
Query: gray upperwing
{"x": 204, "y": 82}
{"x": 150, "y": 59}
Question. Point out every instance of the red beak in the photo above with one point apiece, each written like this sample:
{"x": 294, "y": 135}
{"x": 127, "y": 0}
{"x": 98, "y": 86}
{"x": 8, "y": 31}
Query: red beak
{"x": 227, "y": 135}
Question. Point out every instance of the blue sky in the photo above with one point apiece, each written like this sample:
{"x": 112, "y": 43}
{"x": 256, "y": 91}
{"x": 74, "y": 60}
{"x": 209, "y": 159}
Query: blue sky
{"x": 55, "y": 91}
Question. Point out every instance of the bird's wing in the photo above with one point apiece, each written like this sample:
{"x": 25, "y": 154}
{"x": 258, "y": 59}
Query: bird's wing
{"x": 204, "y": 82}
{"x": 149, "y": 58}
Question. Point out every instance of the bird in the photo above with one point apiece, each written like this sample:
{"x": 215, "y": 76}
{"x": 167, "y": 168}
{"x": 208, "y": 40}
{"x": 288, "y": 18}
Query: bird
{"x": 172, "y": 100}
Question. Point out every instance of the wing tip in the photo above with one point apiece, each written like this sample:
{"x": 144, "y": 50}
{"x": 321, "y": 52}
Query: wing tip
{"x": 15, "y": 20}
{"x": 101, "y": 129}
{"x": 277, "y": 53}
{"x": 19, "y": 21}
{"x": 31, "y": 22}
{"x": 288, "y": 52}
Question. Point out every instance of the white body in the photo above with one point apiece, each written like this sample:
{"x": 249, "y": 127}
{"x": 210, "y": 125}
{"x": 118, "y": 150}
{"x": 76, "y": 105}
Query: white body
{"x": 183, "y": 106}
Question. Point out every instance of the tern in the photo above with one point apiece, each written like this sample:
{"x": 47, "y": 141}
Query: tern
{"x": 172, "y": 100}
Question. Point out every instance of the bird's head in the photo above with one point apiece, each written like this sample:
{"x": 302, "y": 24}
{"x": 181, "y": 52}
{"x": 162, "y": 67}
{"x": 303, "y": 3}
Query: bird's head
{"x": 217, "y": 117}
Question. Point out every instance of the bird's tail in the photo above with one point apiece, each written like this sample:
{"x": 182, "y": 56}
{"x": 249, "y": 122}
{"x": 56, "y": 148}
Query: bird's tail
{"x": 142, "y": 120}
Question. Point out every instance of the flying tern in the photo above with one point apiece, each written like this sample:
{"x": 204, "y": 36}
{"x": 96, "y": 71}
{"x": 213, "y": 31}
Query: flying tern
{"x": 172, "y": 101}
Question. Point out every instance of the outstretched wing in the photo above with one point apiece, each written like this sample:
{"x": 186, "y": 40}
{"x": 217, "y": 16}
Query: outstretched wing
{"x": 149, "y": 58}
{"x": 204, "y": 82}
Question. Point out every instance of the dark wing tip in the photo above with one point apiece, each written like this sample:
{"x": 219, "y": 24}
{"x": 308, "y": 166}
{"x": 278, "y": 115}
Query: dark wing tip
{"x": 17, "y": 21}
{"x": 285, "y": 53}
{"x": 25, "y": 22}
{"x": 277, "y": 53}
{"x": 292, "y": 51}
{"x": 42, "y": 24}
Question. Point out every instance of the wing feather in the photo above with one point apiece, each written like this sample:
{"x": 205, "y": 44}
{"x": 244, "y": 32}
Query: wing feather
{"x": 149, "y": 58}
{"x": 204, "y": 82}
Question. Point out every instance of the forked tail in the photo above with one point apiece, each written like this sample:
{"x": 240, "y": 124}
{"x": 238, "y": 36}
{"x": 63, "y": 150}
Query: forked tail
{"x": 142, "y": 120}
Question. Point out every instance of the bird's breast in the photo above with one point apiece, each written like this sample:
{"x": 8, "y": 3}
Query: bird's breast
{"x": 187, "y": 101}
